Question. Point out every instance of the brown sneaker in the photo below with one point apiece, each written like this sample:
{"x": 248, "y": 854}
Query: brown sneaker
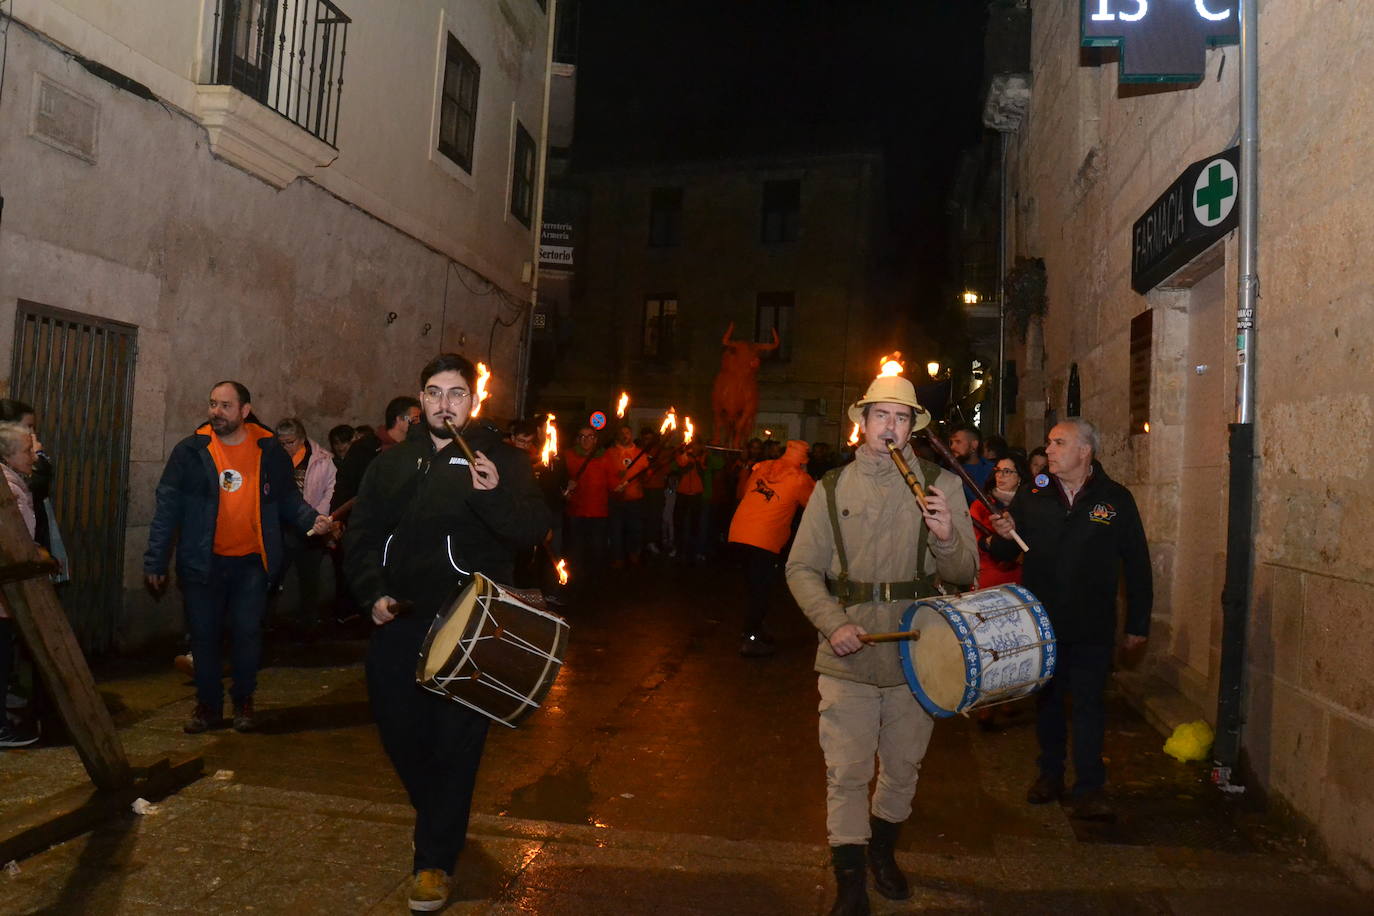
{"x": 244, "y": 719}
{"x": 429, "y": 890}
{"x": 204, "y": 716}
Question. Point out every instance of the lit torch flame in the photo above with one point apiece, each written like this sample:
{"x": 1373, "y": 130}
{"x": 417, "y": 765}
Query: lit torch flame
{"x": 550, "y": 449}
{"x": 562, "y": 567}
{"x": 854, "y": 436}
{"x": 622, "y": 404}
{"x": 891, "y": 365}
{"x": 483, "y": 373}
{"x": 688, "y": 430}
{"x": 669, "y": 421}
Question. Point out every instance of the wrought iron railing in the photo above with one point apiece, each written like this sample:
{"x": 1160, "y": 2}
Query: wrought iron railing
{"x": 287, "y": 54}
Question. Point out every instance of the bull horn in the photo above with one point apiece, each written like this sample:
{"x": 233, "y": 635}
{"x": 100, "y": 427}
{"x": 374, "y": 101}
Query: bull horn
{"x": 728, "y": 331}
{"x": 774, "y": 345}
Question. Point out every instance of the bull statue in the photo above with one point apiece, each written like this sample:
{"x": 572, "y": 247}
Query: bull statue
{"x": 735, "y": 396}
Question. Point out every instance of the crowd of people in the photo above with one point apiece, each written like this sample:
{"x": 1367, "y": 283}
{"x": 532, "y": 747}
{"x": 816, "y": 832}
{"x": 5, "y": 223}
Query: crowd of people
{"x": 384, "y": 525}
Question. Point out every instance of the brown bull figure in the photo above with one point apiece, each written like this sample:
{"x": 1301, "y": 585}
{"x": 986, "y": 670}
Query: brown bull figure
{"x": 735, "y": 397}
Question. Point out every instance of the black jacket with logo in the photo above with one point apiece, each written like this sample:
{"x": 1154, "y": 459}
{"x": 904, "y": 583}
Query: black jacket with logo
{"x": 419, "y": 528}
{"x": 1077, "y": 555}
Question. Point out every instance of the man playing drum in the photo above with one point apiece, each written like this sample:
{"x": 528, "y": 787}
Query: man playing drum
{"x": 425, "y": 520}
{"x": 864, "y": 551}
{"x": 1083, "y": 529}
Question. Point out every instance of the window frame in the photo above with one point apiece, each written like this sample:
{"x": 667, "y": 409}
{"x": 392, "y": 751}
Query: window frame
{"x": 524, "y": 164}
{"x": 779, "y": 223}
{"x": 664, "y": 346}
{"x": 783, "y": 302}
{"x": 456, "y": 54}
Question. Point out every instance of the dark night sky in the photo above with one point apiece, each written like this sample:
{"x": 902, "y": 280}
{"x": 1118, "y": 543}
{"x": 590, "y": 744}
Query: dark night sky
{"x": 661, "y": 79}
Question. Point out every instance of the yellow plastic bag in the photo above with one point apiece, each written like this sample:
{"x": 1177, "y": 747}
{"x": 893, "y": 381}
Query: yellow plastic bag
{"x": 1190, "y": 741}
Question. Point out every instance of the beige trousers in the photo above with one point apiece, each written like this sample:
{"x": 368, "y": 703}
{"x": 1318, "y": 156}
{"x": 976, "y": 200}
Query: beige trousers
{"x": 859, "y": 721}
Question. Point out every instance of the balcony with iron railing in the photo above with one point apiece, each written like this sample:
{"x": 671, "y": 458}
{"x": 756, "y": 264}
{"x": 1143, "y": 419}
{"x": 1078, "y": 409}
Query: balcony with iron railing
{"x": 276, "y": 76}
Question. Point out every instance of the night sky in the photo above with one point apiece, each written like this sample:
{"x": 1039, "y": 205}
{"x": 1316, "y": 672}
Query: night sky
{"x": 661, "y": 80}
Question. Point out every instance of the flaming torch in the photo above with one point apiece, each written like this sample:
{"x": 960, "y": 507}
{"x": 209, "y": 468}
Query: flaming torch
{"x": 891, "y": 365}
{"x": 854, "y": 436}
{"x": 687, "y": 430}
{"x": 562, "y": 567}
{"x": 622, "y": 404}
{"x": 550, "y": 449}
{"x": 669, "y": 421}
{"x": 483, "y": 374}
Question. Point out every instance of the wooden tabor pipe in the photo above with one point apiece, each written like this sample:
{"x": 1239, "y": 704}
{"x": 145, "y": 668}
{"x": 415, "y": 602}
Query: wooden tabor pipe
{"x": 905, "y": 469}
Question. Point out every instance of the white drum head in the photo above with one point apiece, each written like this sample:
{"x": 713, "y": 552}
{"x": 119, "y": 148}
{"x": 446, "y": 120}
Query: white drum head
{"x": 939, "y": 659}
{"x": 452, "y": 629}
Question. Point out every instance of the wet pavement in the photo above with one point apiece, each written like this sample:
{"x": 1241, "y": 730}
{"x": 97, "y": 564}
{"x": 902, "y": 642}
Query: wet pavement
{"x": 665, "y": 775}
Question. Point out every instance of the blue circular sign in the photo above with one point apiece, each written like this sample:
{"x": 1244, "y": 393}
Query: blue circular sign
{"x": 1042, "y": 480}
{"x": 598, "y": 420}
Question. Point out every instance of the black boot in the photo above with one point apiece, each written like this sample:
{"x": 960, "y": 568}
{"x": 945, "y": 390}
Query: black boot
{"x": 888, "y": 879}
{"x": 851, "y": 881}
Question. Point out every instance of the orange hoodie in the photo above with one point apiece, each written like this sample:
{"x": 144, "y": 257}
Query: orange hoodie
{"x": 772, "y": 495}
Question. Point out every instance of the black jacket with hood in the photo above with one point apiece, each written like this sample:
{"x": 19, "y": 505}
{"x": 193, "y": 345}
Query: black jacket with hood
{"x": 419, "y": 528}
{"x": 1077, "y": 555}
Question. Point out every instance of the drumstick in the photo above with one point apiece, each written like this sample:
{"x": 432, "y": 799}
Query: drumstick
{"x": 890, "y": 637}
{"x": 464, "y": 447}
{"x": 958, "y": 467}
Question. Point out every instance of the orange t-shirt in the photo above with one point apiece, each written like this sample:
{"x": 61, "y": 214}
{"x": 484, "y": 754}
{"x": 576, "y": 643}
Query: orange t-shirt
{"x": 621, "y": 457}
{"x": 775, "y": 490}
{"x": 238, "y": 528}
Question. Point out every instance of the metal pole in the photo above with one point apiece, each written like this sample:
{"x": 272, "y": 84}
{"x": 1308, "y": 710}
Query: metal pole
{"x": 1002, "y": 291}
{"x": 537, "y": 219}
{"x": 1240, "y": 543}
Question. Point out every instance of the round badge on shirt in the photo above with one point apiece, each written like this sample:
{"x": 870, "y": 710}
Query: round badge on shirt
{"x": 230, "y": 480}
{"x": 1042, "y": 480}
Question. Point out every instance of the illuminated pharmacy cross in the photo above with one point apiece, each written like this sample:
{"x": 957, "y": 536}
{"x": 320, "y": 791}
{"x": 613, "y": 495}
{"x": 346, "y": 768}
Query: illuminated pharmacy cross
{"x": 1214, "y": 194}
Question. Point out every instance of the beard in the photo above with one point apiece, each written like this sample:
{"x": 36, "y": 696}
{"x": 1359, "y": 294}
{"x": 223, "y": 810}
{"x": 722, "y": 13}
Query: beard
{"x": 441, "y": 431}
{"x": 223, "y": 426}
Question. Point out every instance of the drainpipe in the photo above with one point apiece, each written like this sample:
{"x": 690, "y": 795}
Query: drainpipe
{"x": 527, "y": 339}
{"x": 1240, "y": 537}
{"x": 1002, "y": 288}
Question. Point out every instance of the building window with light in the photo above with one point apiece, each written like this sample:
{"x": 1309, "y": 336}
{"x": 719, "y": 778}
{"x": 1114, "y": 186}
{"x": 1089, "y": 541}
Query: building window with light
{"x": 781, "y": 213}
{"x": 458, "y": 107}
{"x": 665, "y": 217}
{"x": 660, "y": 327}
{"x": 773, "y": 312}
{"x": 522, "y": 175}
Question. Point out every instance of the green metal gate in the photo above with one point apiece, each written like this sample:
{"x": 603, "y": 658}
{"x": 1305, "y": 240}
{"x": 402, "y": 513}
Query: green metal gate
{"x": 77, "y": 371}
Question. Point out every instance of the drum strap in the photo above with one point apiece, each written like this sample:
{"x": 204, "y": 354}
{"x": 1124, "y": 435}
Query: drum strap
{"x": 850, "y": 591}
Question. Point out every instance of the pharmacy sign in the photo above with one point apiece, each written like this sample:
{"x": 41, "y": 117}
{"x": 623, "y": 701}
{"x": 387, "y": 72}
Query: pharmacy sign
{"x": 1197, "y": 209}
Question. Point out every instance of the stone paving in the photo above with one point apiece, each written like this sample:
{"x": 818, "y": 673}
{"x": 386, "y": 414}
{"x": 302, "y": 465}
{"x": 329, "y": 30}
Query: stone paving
{"x": 666, "y": 775}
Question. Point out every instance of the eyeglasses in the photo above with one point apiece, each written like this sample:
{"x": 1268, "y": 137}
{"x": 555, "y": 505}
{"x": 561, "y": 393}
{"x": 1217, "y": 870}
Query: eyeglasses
{"x": 1005, "y": 471}
{"x": 452, "y": 396}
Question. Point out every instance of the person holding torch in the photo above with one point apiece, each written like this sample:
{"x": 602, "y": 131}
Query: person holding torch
{"x": 865, "y": 549}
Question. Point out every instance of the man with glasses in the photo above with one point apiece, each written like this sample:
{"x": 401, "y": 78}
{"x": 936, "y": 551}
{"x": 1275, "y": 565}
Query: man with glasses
{"x": 864, "y": 550}
{"x": 426, "y": 519}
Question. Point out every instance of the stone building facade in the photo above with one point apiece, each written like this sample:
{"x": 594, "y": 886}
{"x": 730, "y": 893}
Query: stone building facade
{"x": 321, "y": 255}
{"x": 669, "y": 257}
{"x": 1088, "y": 160}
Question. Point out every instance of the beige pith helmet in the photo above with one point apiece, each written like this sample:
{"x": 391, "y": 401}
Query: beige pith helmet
{"x": 892, "y": 389}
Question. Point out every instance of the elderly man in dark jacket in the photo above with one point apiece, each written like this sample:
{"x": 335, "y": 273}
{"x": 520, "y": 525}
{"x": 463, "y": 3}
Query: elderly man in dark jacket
{"x": 425, "y": 520}
{"x": 224, "y": 496}
{"x": 1083, "y": 531}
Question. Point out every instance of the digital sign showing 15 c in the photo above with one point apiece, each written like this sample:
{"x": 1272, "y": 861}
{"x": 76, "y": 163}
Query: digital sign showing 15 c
{"x": 1136, "y": 10}
{"x": 1161, "y": 41}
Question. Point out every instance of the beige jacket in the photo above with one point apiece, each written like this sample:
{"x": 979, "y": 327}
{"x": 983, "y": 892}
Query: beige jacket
{"x": 880, "y": 522}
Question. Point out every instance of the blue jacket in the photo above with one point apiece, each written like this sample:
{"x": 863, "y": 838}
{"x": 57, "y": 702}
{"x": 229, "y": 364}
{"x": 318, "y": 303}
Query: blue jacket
{"x": 188, "y": 508}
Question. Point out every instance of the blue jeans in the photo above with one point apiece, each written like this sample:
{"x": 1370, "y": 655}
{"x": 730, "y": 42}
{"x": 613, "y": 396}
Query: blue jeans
{"x": 236, "y": 594}
{"x": 1080, "y": 676}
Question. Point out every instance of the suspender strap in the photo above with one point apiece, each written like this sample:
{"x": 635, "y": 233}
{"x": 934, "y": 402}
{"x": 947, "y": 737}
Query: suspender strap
{"x": 829, "y": 481}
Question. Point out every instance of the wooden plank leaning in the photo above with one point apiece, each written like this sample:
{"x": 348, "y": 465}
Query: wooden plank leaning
{"x": 43, "y": 624}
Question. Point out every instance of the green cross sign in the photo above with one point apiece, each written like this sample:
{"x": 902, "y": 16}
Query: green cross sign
{"x": 1214, "y": 194}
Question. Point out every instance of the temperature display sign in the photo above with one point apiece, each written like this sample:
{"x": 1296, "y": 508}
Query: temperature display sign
{"x": 1161, "y": 41}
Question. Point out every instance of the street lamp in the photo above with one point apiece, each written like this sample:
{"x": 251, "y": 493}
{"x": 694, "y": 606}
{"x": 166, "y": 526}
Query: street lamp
{"x": 970, "y": 297}
{"x": 933, "y": 368}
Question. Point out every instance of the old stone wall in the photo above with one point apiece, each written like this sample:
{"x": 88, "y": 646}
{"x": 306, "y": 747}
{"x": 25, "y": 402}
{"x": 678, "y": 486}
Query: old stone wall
{"x": 1088, "y": 161}
{"x": 289, "y": 291}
